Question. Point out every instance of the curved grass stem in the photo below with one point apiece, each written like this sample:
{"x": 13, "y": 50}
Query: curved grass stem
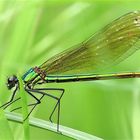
{"x": 66, "y": 131}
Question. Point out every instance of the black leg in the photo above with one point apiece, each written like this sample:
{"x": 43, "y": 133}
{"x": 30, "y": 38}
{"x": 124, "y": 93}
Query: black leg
{"x": 58, "y": 102}
{"x": 38, "y": 101}
{"x": 12, "y": 98}
{"x": 34, "y": 107}
{"x": 12, "y": 102}
{"x": 21, "y": 107}
{"x": 41, "y": 91}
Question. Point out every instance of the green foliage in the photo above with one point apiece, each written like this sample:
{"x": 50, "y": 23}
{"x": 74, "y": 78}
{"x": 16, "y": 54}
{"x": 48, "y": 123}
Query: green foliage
{"x": 33, "y": 31}
{"x": 24, "y": 110}
{"x": 5, "y": 131}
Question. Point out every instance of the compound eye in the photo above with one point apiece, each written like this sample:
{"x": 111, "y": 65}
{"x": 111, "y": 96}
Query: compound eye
{"x": 10, "y": 79}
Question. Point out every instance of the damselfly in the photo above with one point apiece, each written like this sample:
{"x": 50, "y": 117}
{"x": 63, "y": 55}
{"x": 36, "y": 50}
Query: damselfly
{"x": 83, "y": 62}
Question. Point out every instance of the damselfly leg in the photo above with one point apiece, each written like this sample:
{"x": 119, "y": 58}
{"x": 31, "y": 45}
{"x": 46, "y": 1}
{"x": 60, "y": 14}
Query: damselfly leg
{"x": 58, "y": 99}
{"x": 43, "y": 92}
{"x": 11, "y": 101}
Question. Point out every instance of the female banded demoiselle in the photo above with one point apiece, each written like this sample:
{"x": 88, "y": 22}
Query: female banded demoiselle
{"x": 83, "y": 62}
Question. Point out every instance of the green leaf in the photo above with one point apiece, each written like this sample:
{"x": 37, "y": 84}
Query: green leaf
{"x": 24, "y": 110}
{"x": 5, "y": 131}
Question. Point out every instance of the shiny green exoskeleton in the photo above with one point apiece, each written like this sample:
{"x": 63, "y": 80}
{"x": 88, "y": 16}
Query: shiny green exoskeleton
{"x": 83, "y": 62}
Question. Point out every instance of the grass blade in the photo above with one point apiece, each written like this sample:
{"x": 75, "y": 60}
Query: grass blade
{"x": 66, "y": 131}
{"x": 24, "y": 110}
{"x": 5, "y": 131}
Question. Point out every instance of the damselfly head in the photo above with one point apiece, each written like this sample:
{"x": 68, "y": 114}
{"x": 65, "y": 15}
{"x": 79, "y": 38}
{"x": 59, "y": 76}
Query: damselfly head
{"x": 12, "y": 81}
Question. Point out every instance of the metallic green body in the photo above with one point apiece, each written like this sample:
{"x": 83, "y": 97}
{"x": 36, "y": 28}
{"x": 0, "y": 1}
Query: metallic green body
{"x": 29, "y": 75}
{"x": 109, "y": 46}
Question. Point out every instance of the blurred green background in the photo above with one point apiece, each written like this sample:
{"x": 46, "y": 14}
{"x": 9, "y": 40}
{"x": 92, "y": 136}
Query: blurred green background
{"x": 33, "y": 31}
